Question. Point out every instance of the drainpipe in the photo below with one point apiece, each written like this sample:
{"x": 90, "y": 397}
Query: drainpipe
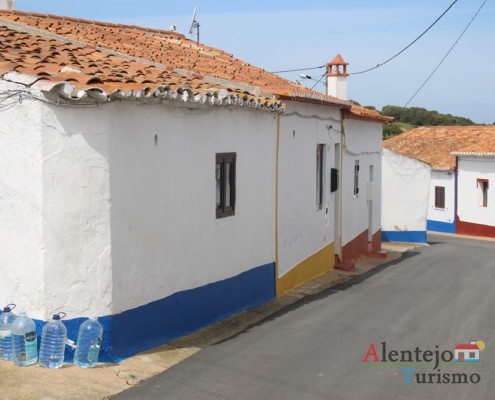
{"x": 341, "y": 173}
{"x": 456, "y": 190}
{"x": 276, "y": 204}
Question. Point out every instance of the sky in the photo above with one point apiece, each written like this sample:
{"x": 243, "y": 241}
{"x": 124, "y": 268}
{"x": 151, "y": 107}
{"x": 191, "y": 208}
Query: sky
{"x": 282, "y": 35}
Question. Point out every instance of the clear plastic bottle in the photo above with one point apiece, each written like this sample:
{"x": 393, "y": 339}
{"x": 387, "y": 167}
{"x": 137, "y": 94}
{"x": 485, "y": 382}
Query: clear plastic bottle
{"x": 6, "y": 320}
{"x": 24, "y": 340}
{"x": 53, "y": 337}
{"x": 88, "y": 343}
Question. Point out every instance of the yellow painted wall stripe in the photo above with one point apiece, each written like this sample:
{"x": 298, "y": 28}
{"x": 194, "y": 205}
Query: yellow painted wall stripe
{"x": 317, "y": 264}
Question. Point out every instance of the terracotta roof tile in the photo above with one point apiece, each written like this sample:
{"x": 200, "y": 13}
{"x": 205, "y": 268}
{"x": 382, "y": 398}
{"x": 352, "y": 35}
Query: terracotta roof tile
{"x": 481, "y": 148}
{"x": 126, "y": 54}
{"x": 435, "y": 145}
{"x": 359, "y": 112}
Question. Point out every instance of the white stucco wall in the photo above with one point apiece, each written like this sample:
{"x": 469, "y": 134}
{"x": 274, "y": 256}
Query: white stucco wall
{"x": 105, "y": 209}
{"x": 76, "y": 210}
{"x": 21, "y": 266}
{"x": 447, "y": 180}
{"x": 470, "y": 169}
{"x": 405, "y": 193}
{"x": 304, "y": 229}
{"x": 363, "y": 142}
{"x": 165, "y": 235}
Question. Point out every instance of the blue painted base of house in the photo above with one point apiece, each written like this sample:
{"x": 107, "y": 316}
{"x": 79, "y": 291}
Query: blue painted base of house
{"x": 404, "y": 236}
{"x": 156, "y": 323}
{"x": 438, "y": 226}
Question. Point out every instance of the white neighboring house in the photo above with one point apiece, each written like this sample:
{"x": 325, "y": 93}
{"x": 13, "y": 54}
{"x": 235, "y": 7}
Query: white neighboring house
{"x": 328, "y": 214}
{"x": 476, "y": 189}
{"x": 362, "y": 183}
{"x": 434, "y": 146}
{"x": 406, "y": 189}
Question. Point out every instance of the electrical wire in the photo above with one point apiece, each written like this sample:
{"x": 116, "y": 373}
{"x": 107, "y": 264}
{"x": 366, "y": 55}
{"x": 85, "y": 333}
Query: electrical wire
{"x": 296, "y": 70}
{"x": 386, "y": 61}
{"x": 446, "y": 55}
{"x": 409, "y": 45}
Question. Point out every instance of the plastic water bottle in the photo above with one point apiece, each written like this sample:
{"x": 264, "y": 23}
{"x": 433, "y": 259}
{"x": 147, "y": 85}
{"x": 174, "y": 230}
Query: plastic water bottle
{"x": 53, "y": 337}
{"x": 88, "y": 343}
{"x": 24, "y": 340}
{"x": 6, "y": 319}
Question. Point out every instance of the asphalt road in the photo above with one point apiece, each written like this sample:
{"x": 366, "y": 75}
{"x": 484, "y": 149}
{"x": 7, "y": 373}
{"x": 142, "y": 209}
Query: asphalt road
{"x": 441, "y": 295}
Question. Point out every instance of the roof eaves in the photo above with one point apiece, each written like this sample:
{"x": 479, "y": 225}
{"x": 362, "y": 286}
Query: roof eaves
{"x": 474, "y": 153}
{"x": 66, "y": 93}
{"x": 441, "y": 168}
{"x": 361, "y": 113}
{"x": 315, "y": 98}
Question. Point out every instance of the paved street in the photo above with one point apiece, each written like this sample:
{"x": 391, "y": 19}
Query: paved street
{"x": 441, "y": 295}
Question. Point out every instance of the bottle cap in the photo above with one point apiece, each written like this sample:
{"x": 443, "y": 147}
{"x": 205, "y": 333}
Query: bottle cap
{"x": 9, "y": 307}
{"x": 59, "y": 316}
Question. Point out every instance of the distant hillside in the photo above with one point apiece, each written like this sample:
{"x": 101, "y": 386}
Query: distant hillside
{"x": 406, "y": 119}
{"x": 422, "y": 117}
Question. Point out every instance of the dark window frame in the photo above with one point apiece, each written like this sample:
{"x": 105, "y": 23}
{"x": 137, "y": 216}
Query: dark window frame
{"x": 320, "y": 165}
{"x": 440, "y": 197}
{"x": 226, "y": 187}
{"x": 483, "y": 185}
{"x": 356, "y": 179}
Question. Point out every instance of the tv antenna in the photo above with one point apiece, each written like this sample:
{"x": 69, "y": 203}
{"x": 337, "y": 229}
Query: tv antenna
{"x": 194, "y": 25}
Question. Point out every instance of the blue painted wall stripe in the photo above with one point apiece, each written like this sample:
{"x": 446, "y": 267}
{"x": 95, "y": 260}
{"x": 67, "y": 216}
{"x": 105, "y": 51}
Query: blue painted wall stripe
{"x": 404, "y": 236}
{"x": 156, "y": 323}
{"x": 438, "y": 226}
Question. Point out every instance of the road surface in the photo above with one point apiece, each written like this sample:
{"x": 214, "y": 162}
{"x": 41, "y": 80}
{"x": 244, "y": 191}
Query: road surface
{"x": 418, "y": 308}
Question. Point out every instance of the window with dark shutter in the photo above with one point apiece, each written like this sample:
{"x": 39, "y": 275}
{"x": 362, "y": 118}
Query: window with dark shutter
{"x": 483, "y": 186}
{"x": 319, "y": 175}
{"x": 225, "y": 184}
{"x": 439, "y": 197}
{"x": 356, "y": 178}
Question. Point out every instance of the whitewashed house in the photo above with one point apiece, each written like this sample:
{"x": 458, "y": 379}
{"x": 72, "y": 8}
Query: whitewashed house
{"x": 475, "y": 189}
{"x": 362, "y": 184}
{"x": 405, "y": 197}
{"x": 163, "y": 184}
{"x": 331, "y": 215}
{"x": 434, "y": 146}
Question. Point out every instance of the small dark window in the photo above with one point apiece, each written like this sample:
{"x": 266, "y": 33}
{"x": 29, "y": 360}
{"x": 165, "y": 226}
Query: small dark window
{"x": 472, "y": 355}
{"x": 483, "y": 185}
{"x": 319, "y": 175}
{"x": 334, "y": 180}
{"x": 439, "y": 197}
{"x": 356, "y": 178}
{"x": 225, "y": 184}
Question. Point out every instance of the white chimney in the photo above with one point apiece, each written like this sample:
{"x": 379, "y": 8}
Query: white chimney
{"x": 337, "y": 78}
{"x": 7, "y": 4}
